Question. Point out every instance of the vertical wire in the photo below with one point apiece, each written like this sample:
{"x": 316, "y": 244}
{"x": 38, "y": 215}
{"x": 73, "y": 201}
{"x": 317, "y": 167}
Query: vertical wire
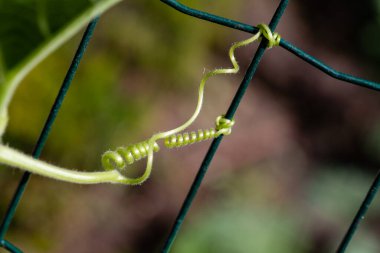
{"x": 360, "y": 215}
{"x": 215, "y": 144}
{"x": 47, "y": 127}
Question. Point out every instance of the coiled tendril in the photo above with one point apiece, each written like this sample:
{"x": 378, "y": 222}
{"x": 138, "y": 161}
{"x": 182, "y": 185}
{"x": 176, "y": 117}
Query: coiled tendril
{"x": 118, "y": 160}
{"x": 184, "y": 139}
{"x": 123, "y": 156}
{"x": 223, "y": 126}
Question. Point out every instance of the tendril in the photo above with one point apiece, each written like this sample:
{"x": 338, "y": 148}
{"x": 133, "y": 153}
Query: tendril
{"x": 223, "y": 126}
{"x": 123, "y": 156}
{"x": 118, "y": 159}
{"x": 184, "y": 139}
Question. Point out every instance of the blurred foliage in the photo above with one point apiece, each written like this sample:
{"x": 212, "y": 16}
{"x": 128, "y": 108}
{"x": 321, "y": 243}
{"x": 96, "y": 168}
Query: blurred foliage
{"x": 238, "y": 230}
{"x": 370, "y": 38}
{"x": 373, "y": 141}
{"x": 247, "y": 222}
{"x": 28, "y": 24}
{"x": 30, "y": 31}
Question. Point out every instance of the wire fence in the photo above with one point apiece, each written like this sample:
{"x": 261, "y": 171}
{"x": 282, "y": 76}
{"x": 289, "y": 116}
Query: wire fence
{"x": 7, "y": 220}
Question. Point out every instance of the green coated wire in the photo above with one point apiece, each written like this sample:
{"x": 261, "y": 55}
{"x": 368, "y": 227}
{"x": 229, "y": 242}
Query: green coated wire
{"x": 284, "y": 44}
{"x": 215, "y": 144}
{"x": 328, "y": 70}
{"x": 45, "y": 132}
{"x": 360, "y": 214}
{"x": 10, "y": 247}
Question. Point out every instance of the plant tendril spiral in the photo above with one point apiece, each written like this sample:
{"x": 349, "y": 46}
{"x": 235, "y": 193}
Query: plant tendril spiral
{"x": 184, "y": 139}
{"x": 223, "y": 126}
{"x": 123, "y": 156}
{"x": 119, "y": 159}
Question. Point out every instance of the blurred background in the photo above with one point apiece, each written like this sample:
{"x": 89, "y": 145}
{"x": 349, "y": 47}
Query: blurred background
{"x": 290, "y": 178}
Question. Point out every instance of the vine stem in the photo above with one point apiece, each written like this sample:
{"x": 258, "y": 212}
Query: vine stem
{"x": 6, "y": 222}
{"x": 14, "y": 158}
{"x": 16, "y": 75}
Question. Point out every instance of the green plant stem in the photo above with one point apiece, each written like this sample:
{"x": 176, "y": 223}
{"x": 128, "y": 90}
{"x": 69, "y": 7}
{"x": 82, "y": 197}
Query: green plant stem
{"x": 45, "y": 131}
{"x": 14, "y": 158}
{"x": 13, "y": 78}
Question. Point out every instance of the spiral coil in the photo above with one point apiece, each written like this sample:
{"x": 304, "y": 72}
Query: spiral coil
{"x": 123, "y": 156}
{"x": 223, "y": 126}
{"x": 184, "y": 139}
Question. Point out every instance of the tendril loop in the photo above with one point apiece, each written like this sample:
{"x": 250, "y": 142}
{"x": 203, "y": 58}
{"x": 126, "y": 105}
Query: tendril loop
{"x": 224, "y": 125}
{"x": 272, "y": 38}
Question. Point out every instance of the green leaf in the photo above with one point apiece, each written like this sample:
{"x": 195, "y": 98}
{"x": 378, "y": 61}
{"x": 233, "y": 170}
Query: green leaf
{"x": 32, "y": 29}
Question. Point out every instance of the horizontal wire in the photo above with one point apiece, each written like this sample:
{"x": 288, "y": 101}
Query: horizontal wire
{"x": 284, "y": 44}
{"x": 328, "y": 70}
{"x": 211, "y": 17}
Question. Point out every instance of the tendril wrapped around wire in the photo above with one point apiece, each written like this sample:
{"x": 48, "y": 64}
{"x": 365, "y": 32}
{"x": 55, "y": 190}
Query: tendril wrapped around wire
{"x": 120, "y": 158}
